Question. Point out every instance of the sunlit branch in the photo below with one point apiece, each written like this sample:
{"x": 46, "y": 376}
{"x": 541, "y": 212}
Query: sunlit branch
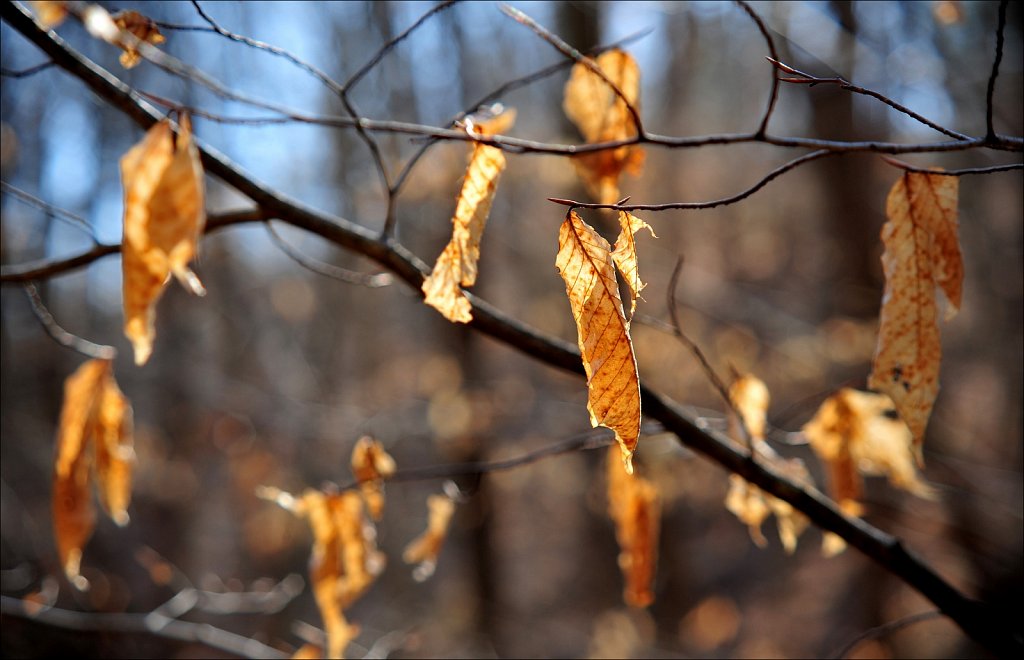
{"x": 62, "y": 336}
{"x": 774, "y": 95}
{"x": 990, "y": 131}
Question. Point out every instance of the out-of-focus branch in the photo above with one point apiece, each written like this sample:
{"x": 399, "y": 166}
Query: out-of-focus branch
{"x": 25, "y": 73}
{"x": 62, "y": 336}
{"x": 990, "y": 133}
{"x": 885, "y": 629}
{"x": 992, "y": 169}
{"x": 370, "y": 280}
{"x": 762, "y": 128}
{"x": 72, "y": 219}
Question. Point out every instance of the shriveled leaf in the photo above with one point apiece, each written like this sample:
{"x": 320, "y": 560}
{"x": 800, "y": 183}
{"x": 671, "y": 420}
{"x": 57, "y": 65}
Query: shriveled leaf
{"x": 457, "y": 264}
{"x": 624, "y": 255}
{"x": 74, "y": 515}
{"x": 115, "y": 454}
{"x": 922, "y": 251}
{"x": 750, "y": 397}
{"x": 426, "y": 547}
{"x": 635, "y": 508}
{"x": 163, "y": 218}
{"x": 308, "y": 652}
{"x": 50, "y": 13}
{"x": 371, "y": 463}
{"x": 142, "y": 28}
{"x": 584, "y": 261}
{"x": 602, "y": 116}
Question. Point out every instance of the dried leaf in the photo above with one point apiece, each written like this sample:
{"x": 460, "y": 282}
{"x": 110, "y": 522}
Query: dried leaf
{"x": 370, "y": 464}
{"x": 922, "y": 251}
{"x": 750, "y": 397}
{"x": 584, "y": 261}
{"x": 602, "y": 116}
{"x": 163, "y": 219}
{"x": 115, "y": 455}
{"x": 624, "y": 255}
{"x": 457, "y": 263}
{"x": 858, "y": 433}
{"x": 142, "y": 28}
{"x": 308, "y": 652}
{"x": 634, "y": 506}
{"x": 50, "y": 13}
{"x": 426, "y": 547}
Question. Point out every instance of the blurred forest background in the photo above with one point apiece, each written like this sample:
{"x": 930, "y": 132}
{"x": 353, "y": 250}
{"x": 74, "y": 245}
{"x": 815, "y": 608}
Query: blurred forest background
{"x": 274, "y": 375}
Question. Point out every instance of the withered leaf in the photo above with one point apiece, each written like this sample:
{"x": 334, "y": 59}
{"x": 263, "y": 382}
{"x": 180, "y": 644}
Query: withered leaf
{"x": 164, "y": 216}
{"x": 584, "y": 261}
{"x": 457, "y": 264}
{"x": 95, "y": 430}
{"x": 635, "y": 508}
{"x": 602, "y": 116}
{"x": 624, "y": 255}
{"x": 922, "y": 251}
{"x": 750, "y": 397}
{"x": 50, "y": 13}
{"x": 142, "y": 28}
{"x": 370, "y": 464}
{"x": 426, "y": 547}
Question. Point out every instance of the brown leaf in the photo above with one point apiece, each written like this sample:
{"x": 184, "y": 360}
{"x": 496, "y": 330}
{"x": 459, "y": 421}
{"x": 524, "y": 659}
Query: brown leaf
{"x": 163, "y": 219}
{"x": 50, "y": 13}
{"x": 115, "y": 455}
{"x": 426, "y": 547}
{"x": 602, "y": 116}
{"x": 750, "y": 397}
{"x": 457, "y": 263}
{"x": 922, "y": 251}
{"x": 370, "y": 464}
{"x": 584, "y": 261}
{"x": 634, "y": 506}
{"x": 624, "y": 255}
{"x": 142, "y": 28}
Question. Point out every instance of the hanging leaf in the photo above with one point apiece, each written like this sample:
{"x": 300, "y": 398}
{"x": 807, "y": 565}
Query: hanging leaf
{"x": 345, "y": 560}
{"x": 635, "y": 508}
{"x": 425, "y": 548}
{"x": 142, "y": 28}
{"x": 370, "y": 465}
{"x": 584, "y": 261}
{"x": 163, "y": 219}
{"x": 922, "y": 251}
{"x": 602, "y": 116}
{"x": 750, "y": 397}
{"x": 95, "y": 430}
{"x": 624, "y": 255}
{"x": 457, "y": 264}
{"x": 49, "y": 13}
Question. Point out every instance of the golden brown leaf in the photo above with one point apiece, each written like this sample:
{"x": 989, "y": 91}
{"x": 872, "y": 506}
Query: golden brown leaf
{"x": 922, "y": 251}
{"x": 624, "y": 255}
{"x": 308, "y": 652}
{"x": 163, "y": 218}
{"x": 602, "y": 116}
{"x": 584, "y": 261}
{"x": 142, "y": 28}
{"x": 115, "y": 455}
{"x": 635, "y": 508}
{"x": 50, "y": 13}
{"x": 750, "y": 397}
{"x": 426, "y": 547}
{"x": 370, "y": 464}
{"x": 457, "y": 263}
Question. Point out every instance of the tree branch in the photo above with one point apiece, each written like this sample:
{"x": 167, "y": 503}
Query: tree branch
{"x": 990, "y": 133}
{"x": 762, "y": 128}
{"x": 62, "y": 336}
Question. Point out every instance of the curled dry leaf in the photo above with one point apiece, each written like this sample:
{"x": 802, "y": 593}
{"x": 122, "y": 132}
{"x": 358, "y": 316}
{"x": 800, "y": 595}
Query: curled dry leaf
{"x": 345, "y": 560}
{"x": 50, "y": 13}
{"x": 635, "y": 508}
{"x": 370, "y": 465}
{"x": 95, "y": 429}
{"x": 624, "y": 255}
{"x": 602, "y": 116}
{"x": 585, "y": 263}
{"x": 457, "y": 264}
{"x": 922, "y": 251}
{"x": 163, "y": 218}
{"x": 426, "y": 547}
{"x": 140, "y": 27}
{"x": 750, "y": 397}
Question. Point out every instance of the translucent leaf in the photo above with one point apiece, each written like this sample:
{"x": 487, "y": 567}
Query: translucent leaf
{"x": 50, "y": 13}
{"x": 602, "y": 116}
{"x": 624, "y": 255}
{"x": 584, "y": 261}
{"x": 163, "y": 219}
{"x": 371, "y": 463}
{"x": 922, "y": 251}
{"x": 425, "y": 548}
{"x": 142, "y": 28}
{"x": 457, "y": 264}
{"x": 635, "y": 508}
{"x": 115, "y": 455}
{"x": 750, "y": 397}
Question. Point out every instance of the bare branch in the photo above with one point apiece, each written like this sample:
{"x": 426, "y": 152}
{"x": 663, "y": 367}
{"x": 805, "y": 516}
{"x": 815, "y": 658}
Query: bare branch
{"x": 762, "y": 128}
{"x": 62, "y": 336}
{"x": 990, "y": 131}
{"x": 885, "y": 629}
{"x": 25, "y": 73}
{"x": 907, "y": 167}
{"x": 370, "y": 280}
{"x": 72, "y": 219}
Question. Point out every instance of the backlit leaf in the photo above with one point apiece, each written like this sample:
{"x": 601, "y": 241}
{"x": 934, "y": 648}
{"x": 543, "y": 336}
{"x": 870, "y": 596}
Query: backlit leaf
{"x": 50, "y": 13}
{"x": 142, "y": 28}
{"x": 922, "y": 251}
{"x": 371, "y": 463}
{"x": 602, "y": 116}
{"x": 584, "y": 261}
{"x": 624, "y": 255}
{"x": 635, "y": 508}
{"x": 163, "y": 218}
{"x": 457, "y": 264}
{"x": 425, "y": 548}
{"x": 750, "y": 397}
{"x": 115, "y": 455}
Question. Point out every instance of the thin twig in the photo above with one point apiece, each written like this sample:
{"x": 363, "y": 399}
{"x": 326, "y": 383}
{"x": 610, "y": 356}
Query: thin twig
{"x": 72, "y": 219}
{"x": 25, "y": 73}
{"x": 885, "y": 629}
{"x": 762, "y": 129}
{"x": 62, "y": 336}
{"x": 370, "y": 280}
{"x": 960, "y": 172}
{"x": 990, "y": 131}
